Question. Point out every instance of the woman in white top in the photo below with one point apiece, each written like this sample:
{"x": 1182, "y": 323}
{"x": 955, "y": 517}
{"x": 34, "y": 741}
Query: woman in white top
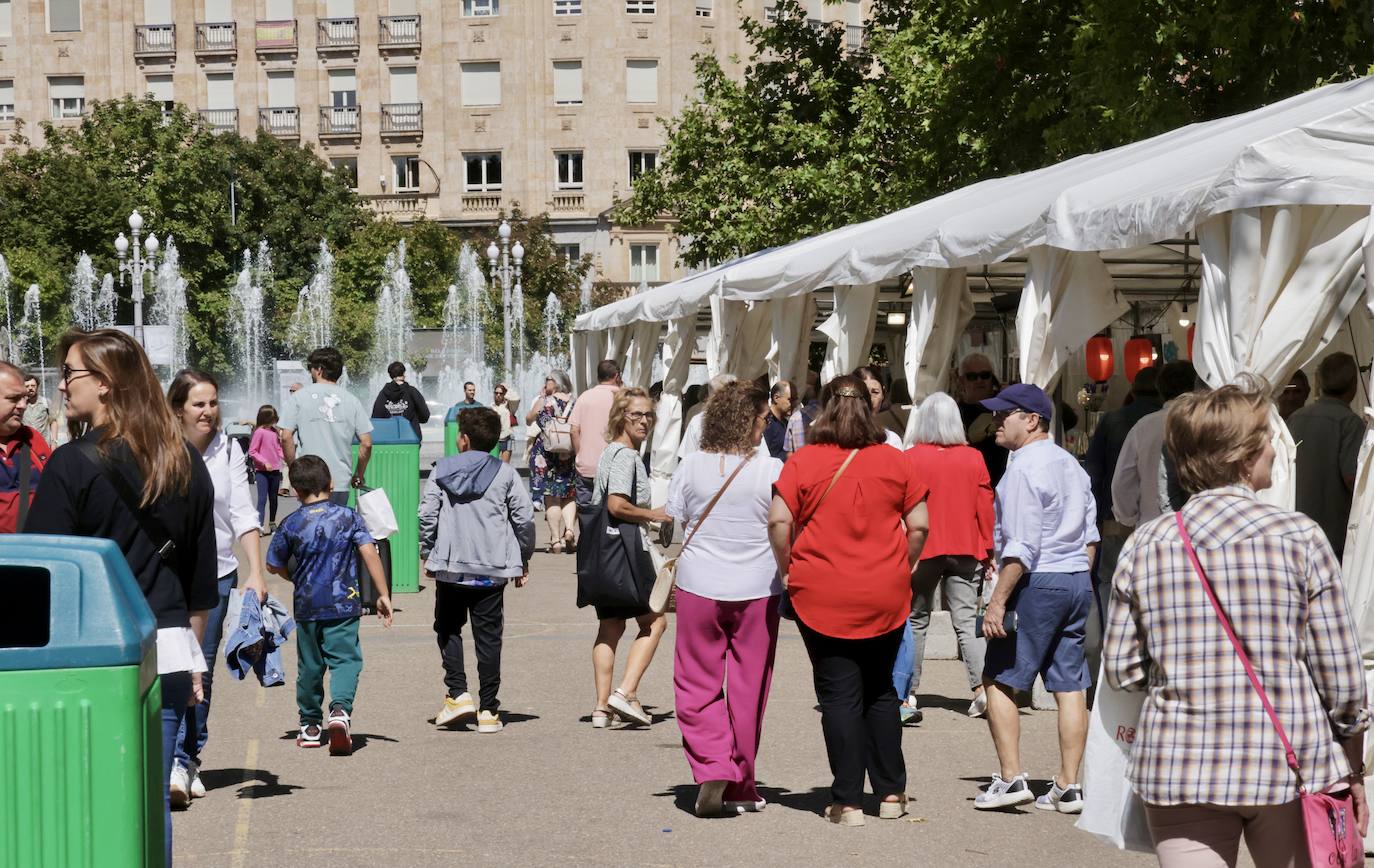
{"x": 727, "y": 599}
{"x": 194, "y": 398}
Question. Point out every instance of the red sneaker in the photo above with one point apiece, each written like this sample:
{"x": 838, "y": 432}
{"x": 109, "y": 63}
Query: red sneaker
{"x": 340, "y": 741}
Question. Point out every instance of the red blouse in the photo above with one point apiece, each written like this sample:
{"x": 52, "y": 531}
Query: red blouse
{"x": 960, "y": 503}
{"x": 849, "y": 576}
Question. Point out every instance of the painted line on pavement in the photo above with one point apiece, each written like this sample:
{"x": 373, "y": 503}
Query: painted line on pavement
{"x": 244, "y": 823}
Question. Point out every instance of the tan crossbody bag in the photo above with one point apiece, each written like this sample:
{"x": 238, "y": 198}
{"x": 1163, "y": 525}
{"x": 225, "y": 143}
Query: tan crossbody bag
{"x": 666, "y": 579}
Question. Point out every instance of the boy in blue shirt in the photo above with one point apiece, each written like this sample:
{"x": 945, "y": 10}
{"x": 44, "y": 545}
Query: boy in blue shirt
{"x": 324, "y": 540}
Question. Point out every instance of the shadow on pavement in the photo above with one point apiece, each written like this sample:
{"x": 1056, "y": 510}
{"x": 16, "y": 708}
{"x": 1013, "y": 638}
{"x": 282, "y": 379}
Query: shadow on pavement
{"x": 269, "y": 784}
{"x": 812, "y": 801}
{"x": 983, "y": 780}
{"x": 507, "y": 717}
{"x": 685, "y": 799}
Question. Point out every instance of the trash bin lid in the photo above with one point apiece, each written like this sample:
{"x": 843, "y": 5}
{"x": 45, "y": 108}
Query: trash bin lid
{"x": 70, "y": 602}
{"x": 393, "y": 431}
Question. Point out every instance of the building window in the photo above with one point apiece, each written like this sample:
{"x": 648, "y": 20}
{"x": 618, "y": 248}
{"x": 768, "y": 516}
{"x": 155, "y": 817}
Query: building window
{"x": 7, "y": 99}
{"x": 641, "y": 162}
{"x": 346, "y": 168}
{"x": 406, "y": 172}
{"x": 6, "y": 18}
{"x": 481, "y": 83}
{"x": 569, "y": 252}
{"x": 705, "y": 8}
{"x": 64, "y": 16}
{"x": 567, "y": 7}
{"x": 641, "y": 7}
{"x": 641, "y": 81}
{"x": 569, "y": 169}
{"x": 483, "y": 172}
{"x": 159, "y": 90}
{"x": 343, "y": 88}
{"x": 567, "y": 82}
{"x": 68, "y": 95}
{"x": 770, "y": 14}
{"x": 481, "y": 8}
{"x": 644, "y": 263}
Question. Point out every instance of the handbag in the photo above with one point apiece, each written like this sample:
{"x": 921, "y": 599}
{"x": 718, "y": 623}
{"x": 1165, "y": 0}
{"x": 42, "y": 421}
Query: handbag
{"x": 614, "y": 568}
{"x": 785, "y": 605}
{"x": 1112, "y": 811}
{"x": 1328, "y": 818}
{"x": 556, "y": 434}
{"x": 666, "y": 579}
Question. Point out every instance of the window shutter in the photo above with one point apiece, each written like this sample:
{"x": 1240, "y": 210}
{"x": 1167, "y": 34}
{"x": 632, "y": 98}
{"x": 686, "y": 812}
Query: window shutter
{"x": 340, "y": 9}
{"x": 67, "y": 87}
{"x": 160, "y": 86}
{"x": 281, "y": 89}
{"x": 567, "y": 81}
{"x": 157, "y": 11}
{"x": 405, "y": 87}
{"x": 219, "y": 90}
{"x": 481, "y": 83}
{"x": 641, "y": 81}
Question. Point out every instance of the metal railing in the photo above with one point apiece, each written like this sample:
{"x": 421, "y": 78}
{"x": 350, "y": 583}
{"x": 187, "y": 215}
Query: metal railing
{"x": 340, "y": 121}
{"x": 217, "y": 38}
{"x": 221, "y": 120}
{"x": 284, "y": 121}
{"x": 402, "y": 117}
{"x": 335, "y": 33}
{"x": 398, "y": 31}
{"x": 155, "y": 39}
{"x": 275, "y": 35}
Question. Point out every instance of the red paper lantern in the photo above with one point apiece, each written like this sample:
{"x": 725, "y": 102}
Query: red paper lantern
{"x": 1140, "y": 354}
{"x": 1192, "y": 330}
{"x": 1101, "y": 361}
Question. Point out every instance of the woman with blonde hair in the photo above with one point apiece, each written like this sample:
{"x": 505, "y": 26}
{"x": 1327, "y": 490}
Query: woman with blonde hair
{"x": 1208, "y": 761}
{"x": 623, "y": 484}
{"x": 727, "y": 598}
{"x": 128, "y": 475}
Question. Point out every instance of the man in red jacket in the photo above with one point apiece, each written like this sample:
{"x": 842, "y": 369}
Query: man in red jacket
{"x": 23, "y": 451}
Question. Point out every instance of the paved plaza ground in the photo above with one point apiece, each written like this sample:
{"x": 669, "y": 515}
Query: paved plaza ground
{"x": 551, "y": 790}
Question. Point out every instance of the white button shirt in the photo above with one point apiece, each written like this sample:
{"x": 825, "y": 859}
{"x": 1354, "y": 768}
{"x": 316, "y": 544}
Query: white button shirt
{"x": 235, "y": 514}
{"x": 1046, "y": 513}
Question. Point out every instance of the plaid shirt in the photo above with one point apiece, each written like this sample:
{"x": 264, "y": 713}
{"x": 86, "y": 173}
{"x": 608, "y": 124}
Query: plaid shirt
{"x": 1203, "y": 736}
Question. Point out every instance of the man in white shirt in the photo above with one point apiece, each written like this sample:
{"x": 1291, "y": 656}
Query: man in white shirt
{"x": 1135, "y": 483}
{"x": 1045, "y": 539}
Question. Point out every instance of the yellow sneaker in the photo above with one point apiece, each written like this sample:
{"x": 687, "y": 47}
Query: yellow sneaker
{"x": 489, "y": 721}
{"x": 456, "y": 709}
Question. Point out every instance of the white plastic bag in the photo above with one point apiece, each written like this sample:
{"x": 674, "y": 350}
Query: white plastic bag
{"x": 375, "y": 508}
{"x": 1111, "y": 809}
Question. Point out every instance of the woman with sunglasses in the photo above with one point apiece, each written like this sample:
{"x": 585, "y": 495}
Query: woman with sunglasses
{"x": 127, "y": 447}
{"x": 623, "y": 483}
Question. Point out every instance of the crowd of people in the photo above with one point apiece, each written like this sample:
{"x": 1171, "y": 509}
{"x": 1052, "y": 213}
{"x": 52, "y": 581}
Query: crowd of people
{"x": 792, "y": 502}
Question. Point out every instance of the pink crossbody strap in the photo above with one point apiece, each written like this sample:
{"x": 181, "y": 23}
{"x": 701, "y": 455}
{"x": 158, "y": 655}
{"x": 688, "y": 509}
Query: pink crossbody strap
{"x": 1240, "y": 651}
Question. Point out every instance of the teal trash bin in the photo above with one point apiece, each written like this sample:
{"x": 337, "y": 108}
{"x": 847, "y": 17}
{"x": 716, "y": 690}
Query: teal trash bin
{"x": 80, "y": 708}
{"x": 451, "y": 434}
{"x": 395, "y": 468}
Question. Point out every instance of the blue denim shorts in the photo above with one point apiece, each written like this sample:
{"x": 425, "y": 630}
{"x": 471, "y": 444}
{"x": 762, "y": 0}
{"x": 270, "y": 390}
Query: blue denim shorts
{"x": 1052, "y": 612}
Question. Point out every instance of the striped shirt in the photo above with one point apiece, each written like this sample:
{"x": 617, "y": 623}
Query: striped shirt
{"x": 1203, "y": 736}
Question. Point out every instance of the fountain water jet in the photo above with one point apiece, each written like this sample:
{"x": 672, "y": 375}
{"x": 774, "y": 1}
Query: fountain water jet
{"x": 248, "y": 327}
{"x": 11, "y": 350}
{"x": 312, "y": 324}
{"x": 392, "y": 339}
{"x": 105, "y": 303}
{"x": 169, "y": 307}
{"x": 31, "y": 353}
{"x": 83, "y": 300}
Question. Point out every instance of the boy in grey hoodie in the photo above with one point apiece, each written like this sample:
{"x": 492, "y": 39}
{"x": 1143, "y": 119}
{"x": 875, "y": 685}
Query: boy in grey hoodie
{"x": 477, "y": 535}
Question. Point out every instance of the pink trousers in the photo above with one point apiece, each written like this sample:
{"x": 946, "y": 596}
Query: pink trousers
{"x": 719, "y": 641}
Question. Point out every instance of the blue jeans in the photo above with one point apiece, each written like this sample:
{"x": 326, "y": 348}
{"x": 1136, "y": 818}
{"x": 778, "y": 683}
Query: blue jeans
{"x": 268, "y": 483}
{"x": 191, "y": 736}
{"x": 176, "y": 692}
{"x": 902, "y": 670}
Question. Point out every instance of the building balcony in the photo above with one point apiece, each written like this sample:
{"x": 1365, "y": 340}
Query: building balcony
{"x": 217, "y": 39}
{"x": 340, "y": 122}
{"x": 154, "y": 41}
{"x": 403, "y": 119}
{"x": 221, "y": 120}
{"x": 569, "y": 201}
{"x": 337, "y": 34}
{"x": 404, "y": 205}
{"x": 481, "y": 203}
{"x": 283, "y": 121}
{"x": 398, "y": 32}
{"x": 275, "y": 37}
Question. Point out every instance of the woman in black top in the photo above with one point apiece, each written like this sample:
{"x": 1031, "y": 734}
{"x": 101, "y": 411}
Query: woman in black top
{"x": 128, "y": 453}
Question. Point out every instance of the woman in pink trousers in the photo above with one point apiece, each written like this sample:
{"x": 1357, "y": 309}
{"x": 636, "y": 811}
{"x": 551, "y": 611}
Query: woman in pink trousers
{"x": 727, "y": 599}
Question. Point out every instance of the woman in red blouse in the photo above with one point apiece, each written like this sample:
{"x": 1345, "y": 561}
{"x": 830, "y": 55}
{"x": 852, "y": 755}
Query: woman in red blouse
{"x": 960, "y": 536}
{"x": 847, "y": 523}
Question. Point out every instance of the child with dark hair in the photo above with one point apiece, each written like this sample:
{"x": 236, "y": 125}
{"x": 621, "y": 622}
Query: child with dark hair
{"x": 477, "y": 533}
{"x": 316, "y": 549}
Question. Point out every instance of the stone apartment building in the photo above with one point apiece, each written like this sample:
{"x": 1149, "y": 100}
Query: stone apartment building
{"x": 450, "y": 109}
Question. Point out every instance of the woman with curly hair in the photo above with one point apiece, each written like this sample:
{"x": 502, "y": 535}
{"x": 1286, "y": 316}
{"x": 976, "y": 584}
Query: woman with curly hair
{"x": 727, "y": 598}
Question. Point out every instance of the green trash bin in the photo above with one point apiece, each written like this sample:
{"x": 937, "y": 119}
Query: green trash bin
{"x": 395, "y": 468}
{"x": 451, "y": 435}
{"x": 81, "y": 778}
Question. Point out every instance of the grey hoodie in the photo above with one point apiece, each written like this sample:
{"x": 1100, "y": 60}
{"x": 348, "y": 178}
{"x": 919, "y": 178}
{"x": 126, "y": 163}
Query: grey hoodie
{"x": 476, "y": 518}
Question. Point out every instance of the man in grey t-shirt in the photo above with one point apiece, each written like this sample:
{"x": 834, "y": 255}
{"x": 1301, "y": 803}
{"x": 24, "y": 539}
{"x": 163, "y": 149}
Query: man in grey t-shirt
{"x": 326, "y": 419}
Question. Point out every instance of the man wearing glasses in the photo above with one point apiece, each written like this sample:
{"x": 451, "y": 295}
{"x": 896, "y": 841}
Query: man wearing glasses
{"x": 977, "y": 383}
{"x": 1045, "y": 539}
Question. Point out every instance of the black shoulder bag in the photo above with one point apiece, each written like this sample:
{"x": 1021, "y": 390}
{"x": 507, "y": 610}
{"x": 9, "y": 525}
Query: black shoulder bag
{"x": 151, "y": 527}
{"x": 613, "y": 566}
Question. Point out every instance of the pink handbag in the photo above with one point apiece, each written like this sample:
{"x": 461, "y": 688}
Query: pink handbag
{"x": 1328, "y": 818}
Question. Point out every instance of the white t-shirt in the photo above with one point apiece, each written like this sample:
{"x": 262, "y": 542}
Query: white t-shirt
{"x": 730, "y": 559}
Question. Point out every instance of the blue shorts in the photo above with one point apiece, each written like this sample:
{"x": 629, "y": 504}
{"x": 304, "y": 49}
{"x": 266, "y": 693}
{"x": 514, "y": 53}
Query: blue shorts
{"x": 1051, "y": 615}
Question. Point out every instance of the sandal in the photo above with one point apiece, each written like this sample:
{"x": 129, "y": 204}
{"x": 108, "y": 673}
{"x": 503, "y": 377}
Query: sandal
{"x": 629, "y": 708}
{"x": 601, "y": 718}
{"x": 556, "y": 548}
{"x": 569, "y": 544}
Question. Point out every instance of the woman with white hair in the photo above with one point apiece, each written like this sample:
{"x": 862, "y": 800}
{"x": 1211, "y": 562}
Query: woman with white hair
{"x": 956, "y": 551}
{"x": 552, "y": 474}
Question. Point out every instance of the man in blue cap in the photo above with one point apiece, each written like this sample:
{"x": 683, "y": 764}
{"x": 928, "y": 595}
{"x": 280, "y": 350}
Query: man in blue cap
{"x": 1045, "y": 539}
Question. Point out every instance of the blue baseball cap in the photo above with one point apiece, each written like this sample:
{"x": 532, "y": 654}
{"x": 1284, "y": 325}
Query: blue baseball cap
{"x": 1022, "y": 396}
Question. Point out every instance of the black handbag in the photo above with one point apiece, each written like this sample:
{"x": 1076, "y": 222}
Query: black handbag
{"x": 613, "y": 566}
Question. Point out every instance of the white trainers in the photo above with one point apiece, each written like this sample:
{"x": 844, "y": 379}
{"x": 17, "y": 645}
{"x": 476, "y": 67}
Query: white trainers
{"x": 489, "y": 721}
{"x": 456, "y": 708}
{"x": 745, "y": 807}
{"x": 1004, "y": 794}
{"x": 197, "y": 785}
{"x": 1065, "y": 800}
{"x": 179, "y": 787}
{"x": 979, "y": 706}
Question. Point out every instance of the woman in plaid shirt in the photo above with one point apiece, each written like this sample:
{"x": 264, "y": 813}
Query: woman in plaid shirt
{"x": 1206, "y": 760}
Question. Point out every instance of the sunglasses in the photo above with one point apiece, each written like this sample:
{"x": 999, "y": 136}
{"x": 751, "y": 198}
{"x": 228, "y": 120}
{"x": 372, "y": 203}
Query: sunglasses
{"x": 68, "y": 371}
{"x": 975, "y": 376}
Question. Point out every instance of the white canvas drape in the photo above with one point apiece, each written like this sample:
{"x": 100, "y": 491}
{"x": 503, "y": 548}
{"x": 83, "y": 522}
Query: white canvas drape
{"x": 639, "y": 353}
{"x": 791, "y": 346}
{"x": 1277, "y": 283}
{"x": 677, "y": 361}
{"x": 588, "y": 349}
{"x": 849, "y": 330}
{"x": 941, "y": 307}
{"x": 740, "y": 340}
{"x": 1068, "y": 297}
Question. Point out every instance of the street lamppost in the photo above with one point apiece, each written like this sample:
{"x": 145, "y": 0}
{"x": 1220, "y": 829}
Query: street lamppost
{"x": 136, "y": 267}
{"x": 500, "y": 258}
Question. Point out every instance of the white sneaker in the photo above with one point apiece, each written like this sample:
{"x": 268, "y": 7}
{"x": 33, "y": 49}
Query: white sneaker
{"x": 456, "y": 708}
{"x": 197, "y": 785}
{"x": 1065, "y": 800}
{"x": 979, "y": 706}
{"x": 1004, "y": 794}
{"x": 179, "y": 787}
{"x": 745, "y": 807}
{"x": 489, "y": 721}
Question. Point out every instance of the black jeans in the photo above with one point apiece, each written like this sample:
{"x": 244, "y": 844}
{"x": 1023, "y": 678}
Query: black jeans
{"x": 454, "y": 606}
{"x": 582, "y": 489}
{"x": 859, "y": 712}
